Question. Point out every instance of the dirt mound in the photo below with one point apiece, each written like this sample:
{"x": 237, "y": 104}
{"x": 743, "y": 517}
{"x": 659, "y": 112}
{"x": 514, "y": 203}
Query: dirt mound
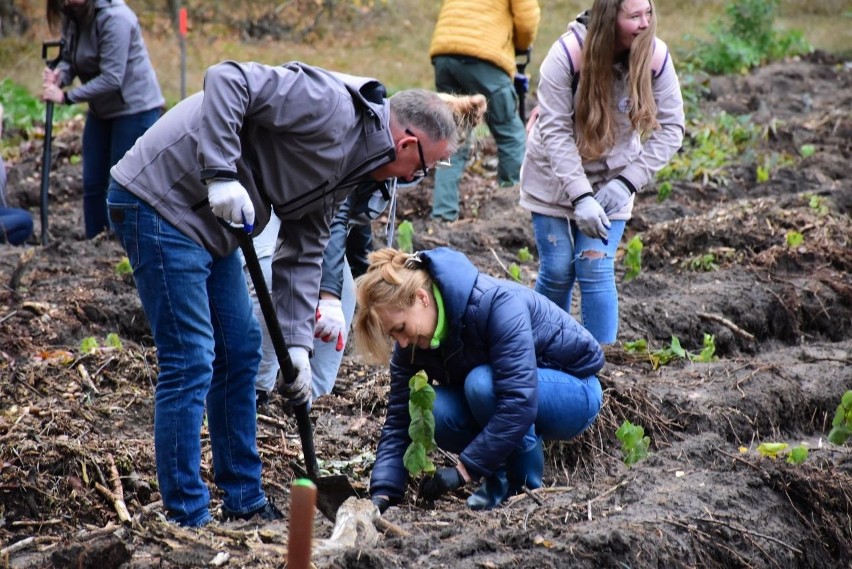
{"x": 76, "y": 429}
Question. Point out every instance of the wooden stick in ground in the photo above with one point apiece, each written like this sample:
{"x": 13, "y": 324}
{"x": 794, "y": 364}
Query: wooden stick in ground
{"x": 303, "y": 499}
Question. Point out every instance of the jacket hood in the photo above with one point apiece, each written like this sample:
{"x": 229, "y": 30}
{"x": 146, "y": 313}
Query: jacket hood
{"x": 455, "y": 277}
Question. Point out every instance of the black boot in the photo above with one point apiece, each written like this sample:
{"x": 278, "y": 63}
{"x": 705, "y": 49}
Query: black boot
{"x": 492, "y": 492}
{"x": 525, "y": 468}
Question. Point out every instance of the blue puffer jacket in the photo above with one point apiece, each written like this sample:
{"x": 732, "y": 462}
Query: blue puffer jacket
{"x": 489, "y": 321}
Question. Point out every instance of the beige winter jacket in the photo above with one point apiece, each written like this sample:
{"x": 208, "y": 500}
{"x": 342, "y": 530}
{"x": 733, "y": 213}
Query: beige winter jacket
{"x": 490, "y": 30}
{"x": 553, "y": 174}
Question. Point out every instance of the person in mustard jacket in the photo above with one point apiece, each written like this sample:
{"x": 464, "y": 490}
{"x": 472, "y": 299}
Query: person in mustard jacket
{"x": 473, "y": 51}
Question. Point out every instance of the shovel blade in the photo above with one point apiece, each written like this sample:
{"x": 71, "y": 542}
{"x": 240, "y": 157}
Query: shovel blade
{"x": 332, "y": 491}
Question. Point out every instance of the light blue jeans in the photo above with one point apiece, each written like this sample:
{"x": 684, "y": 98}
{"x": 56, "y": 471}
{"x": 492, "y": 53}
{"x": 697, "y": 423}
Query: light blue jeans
{"x": 562, "y": 255}
{"x": 469, "y": 75}
{"x": 567, "y": 406}
{"x": 325, "y": 362}
{"x": 208, "y": 348}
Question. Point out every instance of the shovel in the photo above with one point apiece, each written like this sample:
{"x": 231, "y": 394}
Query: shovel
{"x": 48, "y": 137}
{"x": 332, "y": 491}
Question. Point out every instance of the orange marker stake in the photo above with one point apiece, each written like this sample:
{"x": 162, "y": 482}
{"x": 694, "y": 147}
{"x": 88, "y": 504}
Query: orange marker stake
{"x": 303, "y": 499}
{"x": 183, "y": 20}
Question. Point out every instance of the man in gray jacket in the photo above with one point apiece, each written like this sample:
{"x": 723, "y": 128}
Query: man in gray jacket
{"x": 295, "y": 139}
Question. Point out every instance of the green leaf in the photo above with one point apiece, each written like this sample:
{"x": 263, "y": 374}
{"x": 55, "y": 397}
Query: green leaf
{"x": 421, "y": 429}
{"x": 123, "y": 267}
{"x": 515, "y": 272}
{"x": 416, "y": 461}
{"x": 807, "y": 150}
{"x": 676, "y": 348}
{"x": 771, "y": 450}
{"x": 794, "y": 239}
{"x": 89, "y": 345}
{"x": 524, "y": 254}
{"x": 634, "y": 443}
{"x": 113, "y": 341}
{"x": 405, "y": 237}
{"x": 640, "y": 345}
{"x": 798, "y": 455}
{"x": 633, "y": 258}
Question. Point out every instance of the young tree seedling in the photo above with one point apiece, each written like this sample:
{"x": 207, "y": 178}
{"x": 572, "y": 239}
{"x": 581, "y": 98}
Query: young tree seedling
{"x": 421, "y": 401}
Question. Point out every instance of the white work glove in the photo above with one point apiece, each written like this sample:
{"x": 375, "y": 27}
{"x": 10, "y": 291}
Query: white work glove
{"x": 331, "y": 325}
{"x": 230, "y": 201}
{"x": 613, "y": 196}
{"x": 299, "y": 391}
{"x": 591, "y": 219}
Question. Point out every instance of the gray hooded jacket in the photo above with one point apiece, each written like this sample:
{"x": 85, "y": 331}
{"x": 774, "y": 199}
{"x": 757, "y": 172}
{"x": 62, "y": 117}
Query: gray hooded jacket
{"x": 553, "y": 173}
{"x": 298, "y": 138}
{"x": 110, "y": 59}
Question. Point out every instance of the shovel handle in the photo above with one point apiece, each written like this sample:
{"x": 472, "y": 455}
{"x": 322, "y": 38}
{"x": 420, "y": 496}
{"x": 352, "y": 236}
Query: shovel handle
{"x": 46, "y": 45}
{"x": 288, "y": 372}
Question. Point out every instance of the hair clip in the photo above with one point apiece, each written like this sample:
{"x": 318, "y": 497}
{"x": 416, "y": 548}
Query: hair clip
{"x": 414, "y": 262}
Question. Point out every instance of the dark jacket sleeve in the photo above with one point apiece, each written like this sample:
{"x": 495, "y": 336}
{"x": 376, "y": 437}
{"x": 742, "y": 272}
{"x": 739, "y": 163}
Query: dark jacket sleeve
{"x": 335, "y": 251}
{"x": 389, "y": 473}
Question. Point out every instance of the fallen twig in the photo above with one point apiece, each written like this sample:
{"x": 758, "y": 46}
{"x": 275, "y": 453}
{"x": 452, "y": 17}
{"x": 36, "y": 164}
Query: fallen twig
{"x": 750, "y": 532}
{"x": 725, "y": 322}
{"x": 118, "y": 490}
{"x": 17, "y": 546}
{"x": 117, "y": 504}
{"x": 499, "y": 262}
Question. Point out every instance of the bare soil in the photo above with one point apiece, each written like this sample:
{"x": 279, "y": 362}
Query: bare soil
{"x": 76, "y": 428}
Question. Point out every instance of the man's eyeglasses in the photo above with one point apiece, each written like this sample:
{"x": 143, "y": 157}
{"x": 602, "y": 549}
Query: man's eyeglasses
{"x": 424, "y": 171}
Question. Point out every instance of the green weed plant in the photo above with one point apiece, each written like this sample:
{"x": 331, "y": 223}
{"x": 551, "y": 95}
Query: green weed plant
{"x": 405, "y": 237}
{"x": 634, "y": 443}
{"x": 745, "y": 37}
{"x": 841, "y": 425}
{"x": 711, "y": 145}
{"x": 633, "y": 258}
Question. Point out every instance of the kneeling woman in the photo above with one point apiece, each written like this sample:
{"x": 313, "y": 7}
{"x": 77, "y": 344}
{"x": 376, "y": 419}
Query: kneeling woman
{"x": 511, "y": 369}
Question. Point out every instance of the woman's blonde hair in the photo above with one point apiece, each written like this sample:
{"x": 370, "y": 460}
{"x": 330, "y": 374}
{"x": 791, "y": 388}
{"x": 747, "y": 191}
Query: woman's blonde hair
{"x": 594, "y": 119}
{"x": 391, "y": 281}
{"x": 468, "y": 111}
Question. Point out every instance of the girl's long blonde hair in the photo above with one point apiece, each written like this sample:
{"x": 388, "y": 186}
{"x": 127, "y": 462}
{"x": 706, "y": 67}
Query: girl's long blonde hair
{"x": 391, "y": 281}
{"x": 595, "y": 120}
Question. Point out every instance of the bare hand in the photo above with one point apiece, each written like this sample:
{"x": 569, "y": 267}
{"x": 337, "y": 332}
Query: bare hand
{"x": 52, "y": 93}
{"x": 50, "y": 76}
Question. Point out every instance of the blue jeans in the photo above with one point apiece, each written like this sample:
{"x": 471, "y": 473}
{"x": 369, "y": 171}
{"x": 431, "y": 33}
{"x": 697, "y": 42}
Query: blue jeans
{"x": 562, "y": 251}
{"x": 469, "y": 75}
{"x": 208, "y": 348}
{"x": 105, "y": 141}
{"x": 16, "y": 225}
{"x": 567, "y": 406}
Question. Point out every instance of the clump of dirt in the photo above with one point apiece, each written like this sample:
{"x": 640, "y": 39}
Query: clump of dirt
{"x": 75, "y": 428}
